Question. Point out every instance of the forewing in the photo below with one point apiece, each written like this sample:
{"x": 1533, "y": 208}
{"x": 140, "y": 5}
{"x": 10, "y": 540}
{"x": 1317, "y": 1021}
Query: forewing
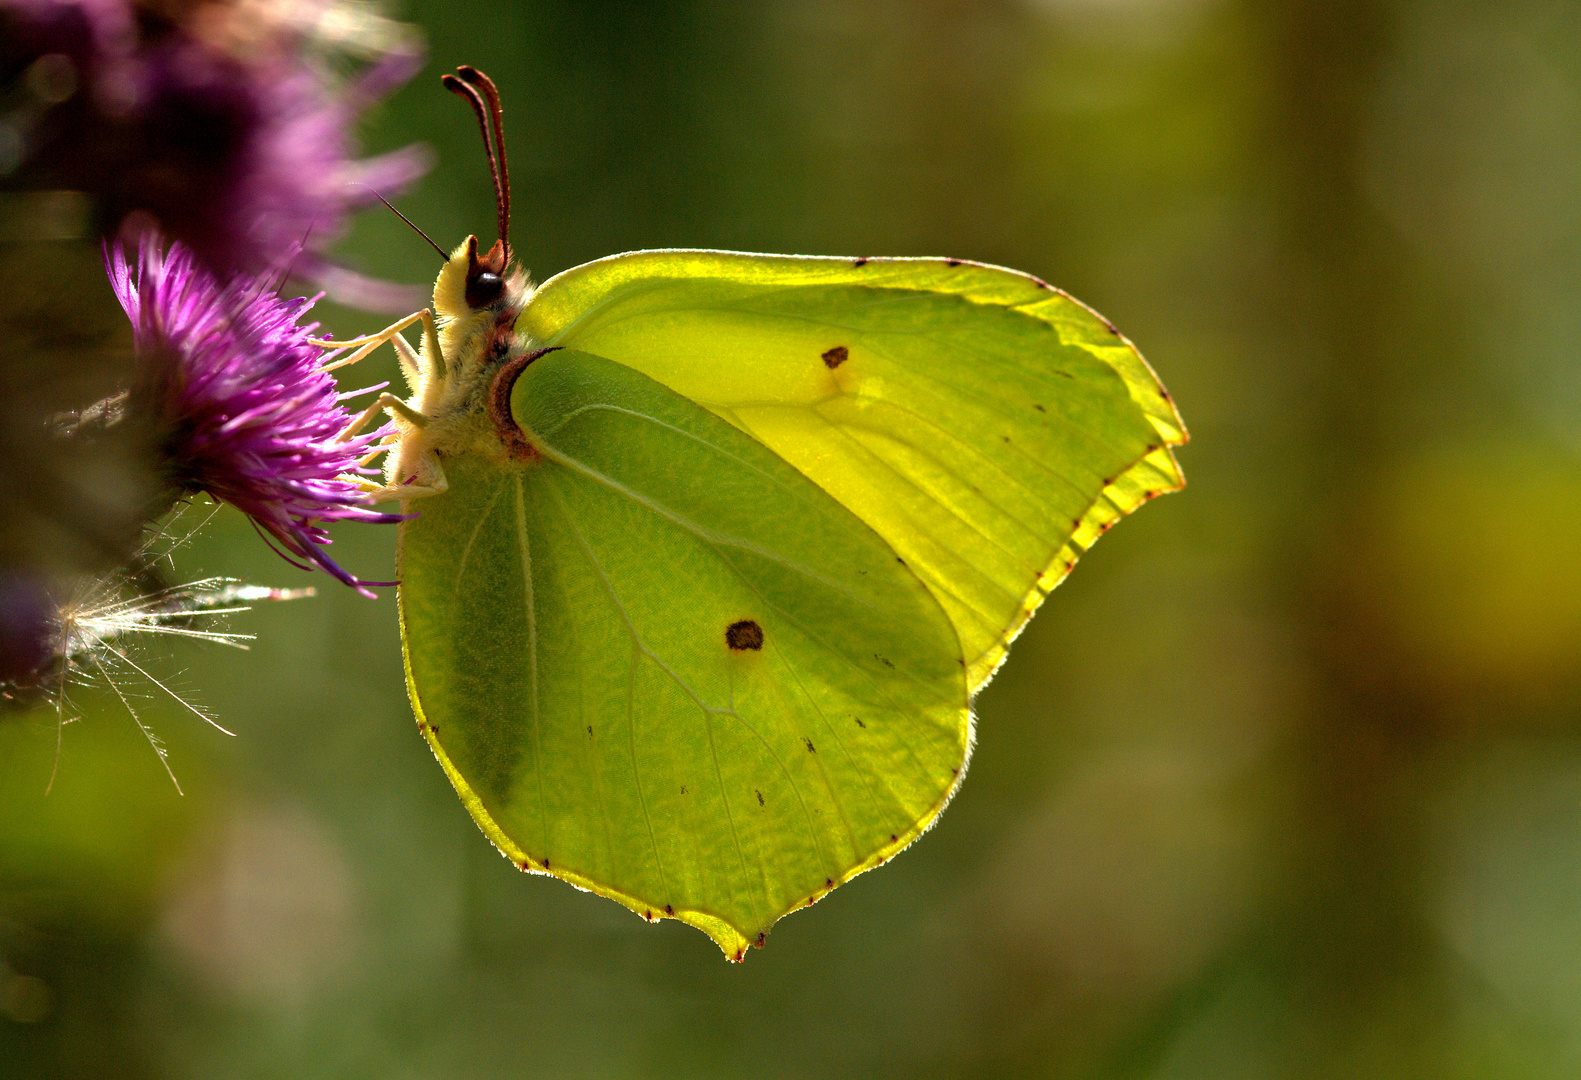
{"x": 987, "y": 426}
{"x": 659, "y": 662}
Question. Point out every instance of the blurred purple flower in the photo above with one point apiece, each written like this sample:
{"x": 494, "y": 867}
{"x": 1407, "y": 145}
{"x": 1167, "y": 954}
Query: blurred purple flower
{"x": 207, "y": 120}
{"x": 236, "y": 403}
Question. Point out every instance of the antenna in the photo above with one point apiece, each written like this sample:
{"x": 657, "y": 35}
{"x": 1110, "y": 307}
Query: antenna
{"x": 481, "y": 94}
{"x": 409, "y": 222}
{"x": 502, "y": 189}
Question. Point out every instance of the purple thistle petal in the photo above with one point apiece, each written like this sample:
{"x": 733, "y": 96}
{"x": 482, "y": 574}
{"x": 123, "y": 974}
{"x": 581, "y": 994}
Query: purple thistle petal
{"x": 238, "y": 401}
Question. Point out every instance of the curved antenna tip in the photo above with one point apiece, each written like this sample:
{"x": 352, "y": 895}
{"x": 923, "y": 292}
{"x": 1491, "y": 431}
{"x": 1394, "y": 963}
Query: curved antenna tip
{"x": 484, "y": 97}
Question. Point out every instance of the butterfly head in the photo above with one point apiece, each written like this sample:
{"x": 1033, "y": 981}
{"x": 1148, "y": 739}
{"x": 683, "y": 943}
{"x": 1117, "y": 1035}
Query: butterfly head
{"x": 485, "y": 274}
{"x": 473, "y": 282}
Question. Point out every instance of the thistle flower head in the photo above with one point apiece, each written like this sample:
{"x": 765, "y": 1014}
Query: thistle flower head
{"x": 232, "y": 399}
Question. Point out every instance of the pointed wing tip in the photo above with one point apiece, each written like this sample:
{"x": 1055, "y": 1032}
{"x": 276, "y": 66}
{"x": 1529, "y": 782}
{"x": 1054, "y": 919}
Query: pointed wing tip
{"x": 736, "y": 943}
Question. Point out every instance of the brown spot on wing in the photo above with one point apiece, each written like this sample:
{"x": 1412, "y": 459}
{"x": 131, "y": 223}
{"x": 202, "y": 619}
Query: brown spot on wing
{"x": 836, "y": 356}
{"x": 743, "y": 635}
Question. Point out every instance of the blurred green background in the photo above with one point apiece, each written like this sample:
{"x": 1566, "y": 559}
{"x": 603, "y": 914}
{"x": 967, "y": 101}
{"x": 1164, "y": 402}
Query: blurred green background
{"x": 1284, "y": 782}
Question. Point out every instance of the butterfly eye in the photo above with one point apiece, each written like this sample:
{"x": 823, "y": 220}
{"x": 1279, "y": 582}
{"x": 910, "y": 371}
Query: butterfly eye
{"x": 483, "y": 289}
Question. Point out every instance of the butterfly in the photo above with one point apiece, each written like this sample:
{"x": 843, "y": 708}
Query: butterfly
{"x": 711, "y": 551}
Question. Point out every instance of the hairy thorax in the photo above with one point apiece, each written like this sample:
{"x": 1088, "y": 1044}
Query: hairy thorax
{"x": 451, "y": 390}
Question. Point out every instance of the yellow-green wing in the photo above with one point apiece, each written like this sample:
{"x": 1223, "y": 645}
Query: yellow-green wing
{"x": 986, "y": 425}
{"x": 660, "y": 663}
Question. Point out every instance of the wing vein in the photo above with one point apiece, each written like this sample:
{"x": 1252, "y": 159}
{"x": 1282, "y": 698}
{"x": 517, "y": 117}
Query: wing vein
{"x": 834, "y": 797}
{"x": 466, "y": 549}
{"x": 708, "y": 536}
{"x": 640, "y": 646}
{"x": 525, "y": 547}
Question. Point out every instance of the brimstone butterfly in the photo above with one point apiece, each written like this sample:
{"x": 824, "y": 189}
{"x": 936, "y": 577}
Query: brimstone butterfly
{"x": 713, "y": 550}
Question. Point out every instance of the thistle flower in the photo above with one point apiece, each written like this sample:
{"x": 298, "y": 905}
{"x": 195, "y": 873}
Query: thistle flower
{"x": 209, "y": 120}
{"x": 231, "y": 399}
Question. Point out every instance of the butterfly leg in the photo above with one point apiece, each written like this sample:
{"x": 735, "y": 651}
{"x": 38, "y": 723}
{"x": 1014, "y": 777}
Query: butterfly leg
{"x": 425, "y": 477}
{"x": 384, "y": 447}
{"x": 366, "y": 345}
{"x": 386, "y": 402}
{"x": 428, "y": 479}
{"x": 420, "y": 466}
{"x": 411, "y": 364}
